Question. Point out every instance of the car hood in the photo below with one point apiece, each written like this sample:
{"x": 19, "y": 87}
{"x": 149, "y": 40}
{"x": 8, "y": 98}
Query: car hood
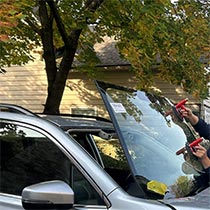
{"x": 150, "y": 138}
{"x": 199, "y": 201}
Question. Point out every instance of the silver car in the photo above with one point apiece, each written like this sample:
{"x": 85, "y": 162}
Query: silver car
{"x": 75, "y": 162}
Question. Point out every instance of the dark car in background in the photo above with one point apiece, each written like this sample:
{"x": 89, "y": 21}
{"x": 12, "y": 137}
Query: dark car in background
{"x": 83, "y": 162}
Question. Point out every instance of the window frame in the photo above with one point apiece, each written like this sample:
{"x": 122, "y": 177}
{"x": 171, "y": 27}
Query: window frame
{"x": 74, "y": 162}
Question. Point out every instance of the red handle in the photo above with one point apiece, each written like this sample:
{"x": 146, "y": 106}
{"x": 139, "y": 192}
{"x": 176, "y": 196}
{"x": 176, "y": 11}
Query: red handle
{"x": 191, "y": 145}
{"x": 181, "y": 104}
{"x": 196, "y": 142}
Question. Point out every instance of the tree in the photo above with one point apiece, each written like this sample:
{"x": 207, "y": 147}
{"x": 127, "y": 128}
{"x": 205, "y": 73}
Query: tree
{"x": 9, "y": 16}
{"x": 148, "y": 33}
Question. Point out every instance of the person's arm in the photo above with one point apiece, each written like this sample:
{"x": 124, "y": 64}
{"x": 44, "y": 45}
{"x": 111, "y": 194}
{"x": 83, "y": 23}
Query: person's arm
{"x": 201, "y": 153}
{"x": 204, "y": 157}
{"x": 187, "y": 113}
{"x": 203, "y": 129}
{"x": 199, "y": 125}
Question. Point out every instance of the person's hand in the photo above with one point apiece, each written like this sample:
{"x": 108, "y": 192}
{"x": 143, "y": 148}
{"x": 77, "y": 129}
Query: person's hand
{"x": 201, "y": 153}
{"x": 188, "y": 114}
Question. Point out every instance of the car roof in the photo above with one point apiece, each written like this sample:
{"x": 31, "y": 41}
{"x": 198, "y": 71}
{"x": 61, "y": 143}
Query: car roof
{"x": 75, "y": 122}
{"x": 67, "y": 122}
{"x": 13, "y": 108}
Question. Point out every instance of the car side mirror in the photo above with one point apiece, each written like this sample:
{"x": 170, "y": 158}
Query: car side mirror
{"x": 48, "y": 195}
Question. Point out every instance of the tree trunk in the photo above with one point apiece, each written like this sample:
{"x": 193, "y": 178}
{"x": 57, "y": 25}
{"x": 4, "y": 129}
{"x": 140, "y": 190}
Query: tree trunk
{"x": 57, "y": 76}
{"x": 55, "y": 92}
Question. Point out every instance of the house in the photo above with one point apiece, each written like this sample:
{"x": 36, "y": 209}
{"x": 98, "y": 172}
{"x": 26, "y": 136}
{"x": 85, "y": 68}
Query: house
{"x": 27, "y": 85}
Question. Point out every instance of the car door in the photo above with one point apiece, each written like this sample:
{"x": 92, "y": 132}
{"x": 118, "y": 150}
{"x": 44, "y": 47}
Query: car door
{"x": 30, "y": 156}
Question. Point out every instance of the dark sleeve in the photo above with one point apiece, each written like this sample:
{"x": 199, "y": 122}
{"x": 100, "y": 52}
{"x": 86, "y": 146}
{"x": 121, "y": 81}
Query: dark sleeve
{"x": 207, "y": 170}
{"x": 203, "y": 129}
{"x": 204, "y": 179}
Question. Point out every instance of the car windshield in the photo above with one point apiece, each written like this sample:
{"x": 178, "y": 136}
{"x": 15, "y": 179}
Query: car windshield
{"x": 150, "y": 137}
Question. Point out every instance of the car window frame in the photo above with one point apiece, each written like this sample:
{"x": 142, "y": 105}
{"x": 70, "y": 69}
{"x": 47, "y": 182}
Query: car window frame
{"x": 67, "y": 153}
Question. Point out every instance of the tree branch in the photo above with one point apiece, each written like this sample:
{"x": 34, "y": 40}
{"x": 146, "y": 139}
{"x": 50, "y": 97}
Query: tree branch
{"x": 33, "y": 26}
{"x": 59, "y": 22}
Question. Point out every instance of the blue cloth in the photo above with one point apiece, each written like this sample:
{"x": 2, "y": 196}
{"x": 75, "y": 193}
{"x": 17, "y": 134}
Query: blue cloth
{"x": 203, "y": 129}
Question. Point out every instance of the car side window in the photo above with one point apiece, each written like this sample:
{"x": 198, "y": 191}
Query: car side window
{"x": 29, "y": 157}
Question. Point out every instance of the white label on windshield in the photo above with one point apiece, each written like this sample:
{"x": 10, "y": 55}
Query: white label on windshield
{"x": 118, "y": 107}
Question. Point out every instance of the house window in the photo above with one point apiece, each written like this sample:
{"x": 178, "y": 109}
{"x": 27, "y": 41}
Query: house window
{"x": 90, "y": 111}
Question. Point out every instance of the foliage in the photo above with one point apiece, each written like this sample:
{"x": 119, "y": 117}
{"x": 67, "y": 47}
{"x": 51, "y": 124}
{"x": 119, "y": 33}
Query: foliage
{"x": 112, "y": 154}
{"x": 16, "y": 41}
{"x": 173, "y": 36}
{"x": 155, "y": 36}
{"x": 183, "y": 186}
{"x": 10, "y": 130}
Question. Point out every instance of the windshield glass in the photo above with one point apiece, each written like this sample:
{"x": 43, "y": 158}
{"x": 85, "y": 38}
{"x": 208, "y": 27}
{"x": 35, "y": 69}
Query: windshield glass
{"x": 150, "y": 137}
